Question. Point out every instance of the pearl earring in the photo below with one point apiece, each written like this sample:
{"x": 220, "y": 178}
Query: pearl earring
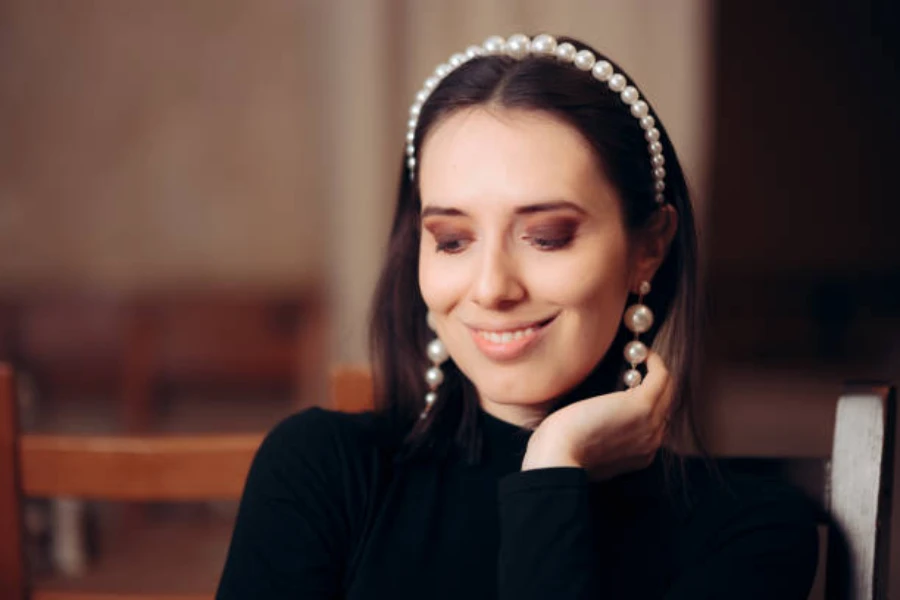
{"x": 434, "y": 377}
{"x": 638, "y": 319}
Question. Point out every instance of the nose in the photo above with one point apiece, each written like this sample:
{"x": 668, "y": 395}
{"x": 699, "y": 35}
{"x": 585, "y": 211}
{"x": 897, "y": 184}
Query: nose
{"x": 497, "y": 284}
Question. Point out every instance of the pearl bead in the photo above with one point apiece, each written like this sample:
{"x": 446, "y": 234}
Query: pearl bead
{"x": 518, "y": 45}
{"x": 415, "y": 109}
{"x": 647, "y": 122}
{"x": 457, "y": 60}
{"x": 431, "y": 83}
{"x": 411, "y": 163}
{"x": 644, "y": 288}
{"x": 410, "y": 137}
{"x": 639, "y": 109}
{"x": 442, "y": 70}
{"x": 410, "y": 150}
{"x": 652, "y": 134}
{"x": 636, "y": 352}
{"x": 638, "y": 318}
{"x": 630, "y": 95}
{"x": 660, "y": 199}
{"x": 659, "y": 173}
{"x": 494, "y": 44}
{"x": 655, "y": 148}
{"x": 429, "y": 320}
{"x": 422, "y": 96}
{"x": 617, "y": 82}
{"x": 566, "y": 52}
{"x": 543, "y": 44}
{"x": 657, "y": 160}
{"x": 584, "y": 60}
{"x": 632, "y": 378}
{"x": 602, "y": 71}
{"x": 660, "y": 186}
{"x": 474, "y": 51}
{"x": 430, "y": 398}
{"x": 434, "y": 377}
{"x": 437, "y": 352}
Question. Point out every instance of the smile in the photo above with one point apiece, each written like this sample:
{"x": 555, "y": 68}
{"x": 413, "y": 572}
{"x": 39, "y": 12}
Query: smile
{"x": 512, "y": 343}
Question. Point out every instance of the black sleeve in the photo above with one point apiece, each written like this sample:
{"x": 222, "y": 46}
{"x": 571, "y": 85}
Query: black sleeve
{"x": 759, "y": 549}
{"x": 291, "y": 535}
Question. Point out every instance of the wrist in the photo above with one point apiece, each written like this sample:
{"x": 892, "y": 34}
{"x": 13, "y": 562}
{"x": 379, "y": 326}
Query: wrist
{"x": 544, "y": 456}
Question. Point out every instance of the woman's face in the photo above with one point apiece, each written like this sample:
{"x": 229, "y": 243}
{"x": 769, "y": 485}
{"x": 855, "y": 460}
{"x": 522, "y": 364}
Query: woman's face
{"x": 525, "y": 262}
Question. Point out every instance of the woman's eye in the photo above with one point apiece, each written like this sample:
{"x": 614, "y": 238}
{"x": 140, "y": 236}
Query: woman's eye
{"x": 450, "y": 245}
{"x": 548, "y": 243}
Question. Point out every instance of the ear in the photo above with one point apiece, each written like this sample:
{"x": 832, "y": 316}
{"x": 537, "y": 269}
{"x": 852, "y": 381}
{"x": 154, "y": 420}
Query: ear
{"x": 651, "y": 245}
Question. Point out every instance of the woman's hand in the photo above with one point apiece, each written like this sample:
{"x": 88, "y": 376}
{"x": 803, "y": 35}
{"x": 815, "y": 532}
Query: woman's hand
{"x": 610, "y": 434}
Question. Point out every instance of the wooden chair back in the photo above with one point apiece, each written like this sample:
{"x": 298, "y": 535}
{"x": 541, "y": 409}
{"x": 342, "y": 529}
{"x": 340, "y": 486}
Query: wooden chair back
{"x": 852, "y": 490}
{"x": 145, "y": 468}
{"x": 351, "y": 388}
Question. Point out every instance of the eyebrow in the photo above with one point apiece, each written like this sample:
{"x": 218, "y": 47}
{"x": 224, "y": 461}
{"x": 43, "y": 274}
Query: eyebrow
{"x": 527, "y": 209}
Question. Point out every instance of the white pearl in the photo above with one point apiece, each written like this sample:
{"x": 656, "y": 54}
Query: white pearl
{"x": 660, "y": 186}
{"x": 410, "y": 137}
{"x": 566, "y": 52}
{"x": 518, "y": 45}
{"x": 415, "y": 109}
{"x": 429, "y": 320}
{"x": 411, "y": 124}
{"x": 659, "y": 173}
{"x": 639, "y": 109}
{"x": 652, "y": 134}
{"x": 584, "y": 60}
{"x": 657, "y": 160}
{"x": 602, "y": 70}
{"x": 410, "y": 150}
{"x": 431, "y": 83}
{"x": 617, "y": 82}
{"x": 430, "y": 398}
{"x": 411, "y": 163}
{"x": 543, "y": 44}
{"x": 647, "y": 122}
{"x": 636, "y": 352}
{"x": 660, "y": 199}
{"x": 437, "y": 352}
{"x": 655, "y": 148}
{"x": 457, "y": 59}
{"x": 632, "y": 378}
{"x": 638, "y": 318}
{"x": 474, "y": 51}
{"x": 434, "y": 377}
{"x": 442, "y": 70}
{"x": 630, "y": 95}
{"x": 422, "y": 96}
{"x": 644, "y": 288}
{"x": 494, "y": 44}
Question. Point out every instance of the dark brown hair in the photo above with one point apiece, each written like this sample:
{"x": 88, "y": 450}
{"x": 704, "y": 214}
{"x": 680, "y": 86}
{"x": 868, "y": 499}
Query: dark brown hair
{"x": 399, "y": 332}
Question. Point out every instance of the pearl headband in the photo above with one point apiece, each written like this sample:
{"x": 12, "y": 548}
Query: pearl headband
{"x": 520, "y": 46}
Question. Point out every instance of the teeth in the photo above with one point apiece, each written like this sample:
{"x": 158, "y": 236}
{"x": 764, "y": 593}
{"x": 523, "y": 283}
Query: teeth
{"x": 506, "y": 336}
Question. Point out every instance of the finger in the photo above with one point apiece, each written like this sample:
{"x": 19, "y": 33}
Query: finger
{"x": 657, "y": 377}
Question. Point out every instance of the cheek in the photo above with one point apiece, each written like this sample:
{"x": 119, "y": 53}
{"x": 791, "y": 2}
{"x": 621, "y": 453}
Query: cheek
{"x": 441, "y": 281}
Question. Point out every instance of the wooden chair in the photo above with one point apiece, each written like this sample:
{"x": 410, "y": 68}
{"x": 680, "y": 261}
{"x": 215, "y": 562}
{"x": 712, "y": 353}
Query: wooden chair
{"x": 124, "y": 468}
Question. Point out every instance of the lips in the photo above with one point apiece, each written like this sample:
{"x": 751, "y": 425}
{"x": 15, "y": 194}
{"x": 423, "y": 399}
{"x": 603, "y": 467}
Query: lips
{"x": 509, "y": 342}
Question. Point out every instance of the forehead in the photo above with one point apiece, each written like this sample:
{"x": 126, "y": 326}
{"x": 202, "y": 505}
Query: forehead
{"x": 508, "y": 155}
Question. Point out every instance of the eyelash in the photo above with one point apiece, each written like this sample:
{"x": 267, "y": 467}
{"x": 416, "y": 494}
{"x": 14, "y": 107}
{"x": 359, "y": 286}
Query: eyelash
{"x": 545, "y": 244}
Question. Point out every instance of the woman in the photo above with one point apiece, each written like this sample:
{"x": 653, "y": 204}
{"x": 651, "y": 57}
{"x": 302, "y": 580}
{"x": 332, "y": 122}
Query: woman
{"x": 543, "y": 240}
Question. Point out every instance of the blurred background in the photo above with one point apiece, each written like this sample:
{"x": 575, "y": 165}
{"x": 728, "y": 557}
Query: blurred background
{"x": 195, "y": 196}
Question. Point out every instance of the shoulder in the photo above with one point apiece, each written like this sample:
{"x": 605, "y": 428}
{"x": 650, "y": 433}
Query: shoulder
{"x": 322, "y": 435}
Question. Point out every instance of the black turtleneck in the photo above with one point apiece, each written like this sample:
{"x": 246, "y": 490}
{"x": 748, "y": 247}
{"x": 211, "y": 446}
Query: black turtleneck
{"x": 328, "y": 512}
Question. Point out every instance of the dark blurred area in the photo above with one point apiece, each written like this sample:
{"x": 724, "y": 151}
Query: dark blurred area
{"x": 167, "y": 263}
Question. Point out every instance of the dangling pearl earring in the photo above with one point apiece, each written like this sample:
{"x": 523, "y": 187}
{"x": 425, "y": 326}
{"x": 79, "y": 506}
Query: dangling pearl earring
{"x": 639, "y": 319}
{"x": 434, "y": 377}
